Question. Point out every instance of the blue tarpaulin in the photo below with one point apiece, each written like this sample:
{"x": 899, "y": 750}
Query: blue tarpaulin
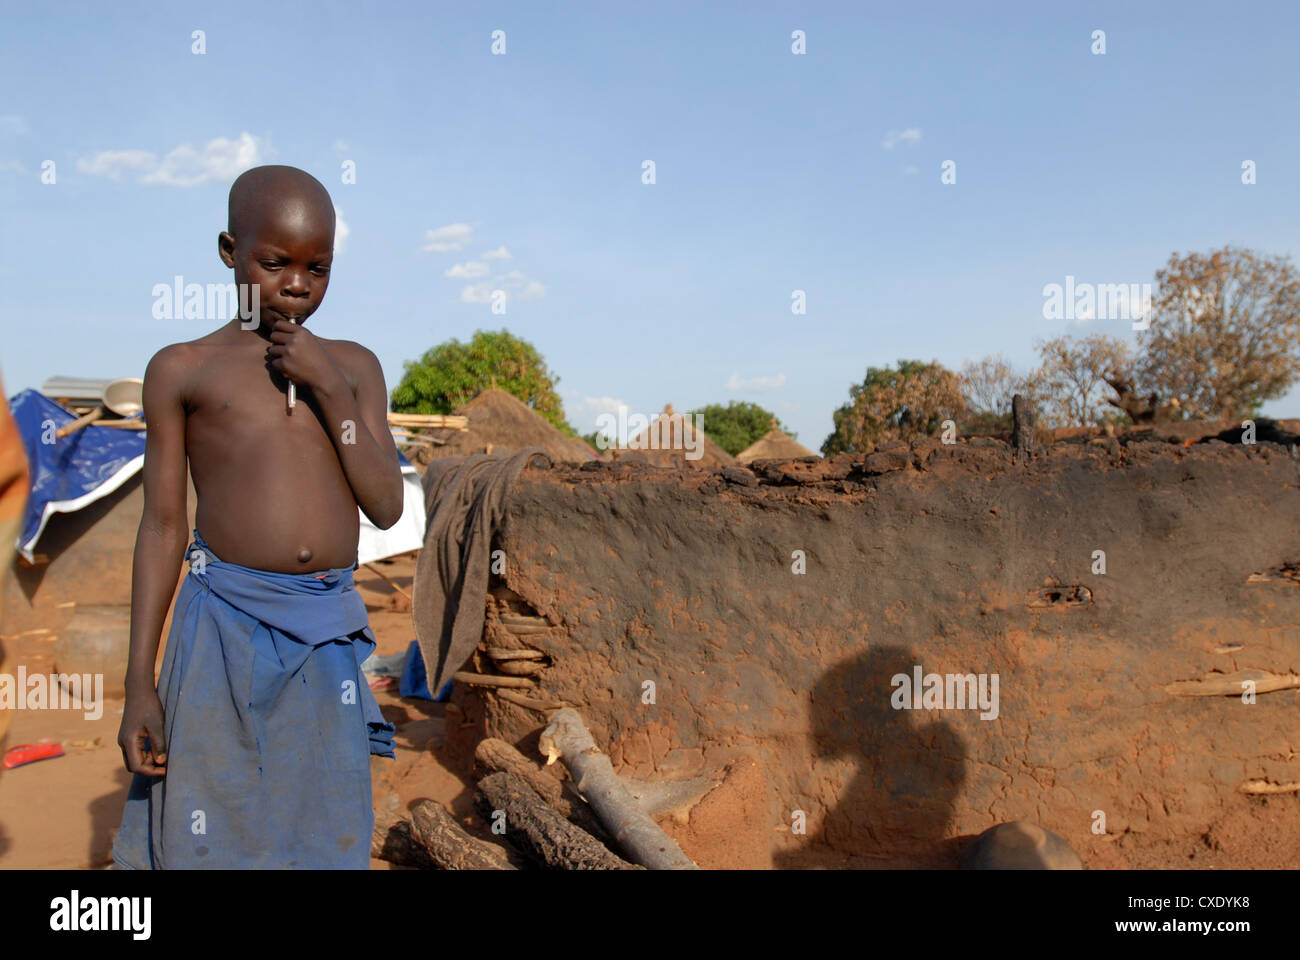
{"x": 269, "y": 726}
{"x": 72, "y": 472}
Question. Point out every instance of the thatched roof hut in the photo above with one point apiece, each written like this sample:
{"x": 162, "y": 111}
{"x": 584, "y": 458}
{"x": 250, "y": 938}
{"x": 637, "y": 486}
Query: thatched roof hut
{"x": 501, "y": 423}
{"x": 670, "y": 440}
{"x": 774, "y": 445}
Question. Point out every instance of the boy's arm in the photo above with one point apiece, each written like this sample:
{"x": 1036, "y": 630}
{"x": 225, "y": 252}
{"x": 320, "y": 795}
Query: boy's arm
{"x": 159, "y": 549}
{"x": 357, "y": 421}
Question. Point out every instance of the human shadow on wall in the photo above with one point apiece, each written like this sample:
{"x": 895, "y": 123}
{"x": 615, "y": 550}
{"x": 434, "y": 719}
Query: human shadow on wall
{"x": 896, "y": 809}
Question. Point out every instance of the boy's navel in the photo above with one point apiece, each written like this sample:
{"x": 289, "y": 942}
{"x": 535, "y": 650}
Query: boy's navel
{"x": 304, "y": 555}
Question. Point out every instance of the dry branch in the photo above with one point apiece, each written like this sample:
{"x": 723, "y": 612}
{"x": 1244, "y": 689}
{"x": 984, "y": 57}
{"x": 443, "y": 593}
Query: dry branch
{"x": 566, "y": 737}
{"x": 491, "y": 680}
{"x": 496, "y": 756}
{"x": 538, "y": 830}
{"x": 449, "y": 845}
{"x": 392, "y": 841}
{"x": 532, "y": 703}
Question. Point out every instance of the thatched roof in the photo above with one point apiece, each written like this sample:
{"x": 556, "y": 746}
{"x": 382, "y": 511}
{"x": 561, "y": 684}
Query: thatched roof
{"x": 501, "y": 423}
{"x": 668, "y": 439}
{"x": 774, "y": 445}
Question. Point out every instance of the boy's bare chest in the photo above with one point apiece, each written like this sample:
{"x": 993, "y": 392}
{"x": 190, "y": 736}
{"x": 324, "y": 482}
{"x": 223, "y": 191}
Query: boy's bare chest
{"x": 237, "y": 409}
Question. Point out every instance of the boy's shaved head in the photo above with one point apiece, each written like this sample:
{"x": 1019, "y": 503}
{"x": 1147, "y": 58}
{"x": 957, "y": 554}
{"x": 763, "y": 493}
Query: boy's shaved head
{"x": 279, "y": 192}
{"x": 280, "y": 241}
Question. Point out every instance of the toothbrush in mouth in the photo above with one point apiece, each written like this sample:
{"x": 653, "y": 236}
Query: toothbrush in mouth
{"x": 293, "y": 393}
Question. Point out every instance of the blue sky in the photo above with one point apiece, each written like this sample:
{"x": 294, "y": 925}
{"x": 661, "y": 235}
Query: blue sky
{"x": 774, "y": 172}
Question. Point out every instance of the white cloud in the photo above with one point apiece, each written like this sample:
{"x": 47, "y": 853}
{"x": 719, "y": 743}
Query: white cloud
{"x": 500, "y": 253}
{"x": 736, "y": 382}
{"x": 447, "y": 239}
{"x": 11, "y": 166}
{"x": 587, "y": 411}
{"x": 341, "y": 231}
{"x": 114, "y": 163}
{"x": 477, "y": 293}
{"x": 470, "y": 270}
{"x": 911, "y": 171}
{"x": 220, "y": 160}
{"x": 340, "y": 148}
{"x": 912, "y": 135}
{"x": 514, "y": 284}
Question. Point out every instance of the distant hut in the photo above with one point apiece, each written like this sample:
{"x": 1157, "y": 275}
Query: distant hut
{"x": 774, "y": 445}
{"x": 670, "y": 441}
{"x": 500, "y": 423}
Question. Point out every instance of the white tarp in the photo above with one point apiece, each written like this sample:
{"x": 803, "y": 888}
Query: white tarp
{"x": 406, "y": 534}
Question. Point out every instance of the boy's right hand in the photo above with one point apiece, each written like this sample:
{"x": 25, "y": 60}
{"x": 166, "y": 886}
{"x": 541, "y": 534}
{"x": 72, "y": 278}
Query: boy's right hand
{"x": 144, "y": 748}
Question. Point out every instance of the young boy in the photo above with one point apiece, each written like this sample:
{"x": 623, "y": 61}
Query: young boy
{"x": 254, "y": 750}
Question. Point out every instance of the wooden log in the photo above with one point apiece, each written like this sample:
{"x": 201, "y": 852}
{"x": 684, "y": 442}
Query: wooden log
{"x": 531, "y": 703}
{"x": 1233, "y": 684}
{"x": 449, "y": 845}
{"x": 1024, "y": 419}
{"x": 491, "y": 680}
{"x": 435, "y": 421}
{"x": 520, "y": 668}
{"x": 122, "y": 424}
{"x": 522, "y": 625}
{"x": 503, "y": 653}
{"x": 497, "y": 756}
{"x": 1263, "y": 788}
{"x": 392, "y": 841}
{"x": 566, "y": 737}
{"x": 538, "y": 830}
{"x": 494, "y": 756}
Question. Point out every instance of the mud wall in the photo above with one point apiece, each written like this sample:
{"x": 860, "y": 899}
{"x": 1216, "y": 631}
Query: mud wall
{"x": 1119, "y": 694}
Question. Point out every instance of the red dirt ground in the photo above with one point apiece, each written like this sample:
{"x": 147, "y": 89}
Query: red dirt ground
{"x": 63, "y": 813}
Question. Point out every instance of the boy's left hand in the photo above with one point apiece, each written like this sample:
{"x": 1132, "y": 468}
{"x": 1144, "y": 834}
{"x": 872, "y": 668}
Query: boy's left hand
{"x": 297, "y": 354}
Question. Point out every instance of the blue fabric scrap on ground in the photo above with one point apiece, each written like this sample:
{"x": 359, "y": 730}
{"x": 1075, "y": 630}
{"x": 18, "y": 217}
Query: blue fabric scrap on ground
{"x": 415, "y": 678}
{"x": 270, "y": 725}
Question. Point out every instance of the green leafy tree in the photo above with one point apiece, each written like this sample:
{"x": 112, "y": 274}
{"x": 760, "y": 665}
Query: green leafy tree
{"x": 737, "y": 425}
{"x": 453, "y": 373}
{"x": 902, "y": 403}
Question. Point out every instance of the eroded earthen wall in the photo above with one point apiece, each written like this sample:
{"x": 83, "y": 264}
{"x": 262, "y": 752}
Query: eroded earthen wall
{"x": 958, "y": 560}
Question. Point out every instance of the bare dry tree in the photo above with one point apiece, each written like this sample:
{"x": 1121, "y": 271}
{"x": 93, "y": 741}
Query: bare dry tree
{"x": 1071, "y": 382}
{"x": 989, "y": 384}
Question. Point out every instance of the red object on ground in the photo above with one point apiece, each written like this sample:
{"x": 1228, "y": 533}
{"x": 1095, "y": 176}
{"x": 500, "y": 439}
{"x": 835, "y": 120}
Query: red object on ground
{"x": 30, "y": 753}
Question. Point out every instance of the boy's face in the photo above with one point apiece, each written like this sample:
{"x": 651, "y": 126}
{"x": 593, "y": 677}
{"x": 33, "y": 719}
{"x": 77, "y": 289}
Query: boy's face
{"x": 287, "y": 251}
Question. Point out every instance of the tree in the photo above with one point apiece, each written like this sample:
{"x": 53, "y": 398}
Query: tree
{"x": 453, "y": 373}
{"x": 988, "y": 384}
{"x": 1070, "y": 387}
{"x": 1224, "y": 334}
{"x": 900, "y": 403}
{"x": 737, "y": 425}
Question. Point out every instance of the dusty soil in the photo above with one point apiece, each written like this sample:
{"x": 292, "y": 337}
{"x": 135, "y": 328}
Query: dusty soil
{"x": 63, "y": 812}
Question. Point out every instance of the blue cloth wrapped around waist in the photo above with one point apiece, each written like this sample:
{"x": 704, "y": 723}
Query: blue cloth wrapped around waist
{"x": 270, "y": 725}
